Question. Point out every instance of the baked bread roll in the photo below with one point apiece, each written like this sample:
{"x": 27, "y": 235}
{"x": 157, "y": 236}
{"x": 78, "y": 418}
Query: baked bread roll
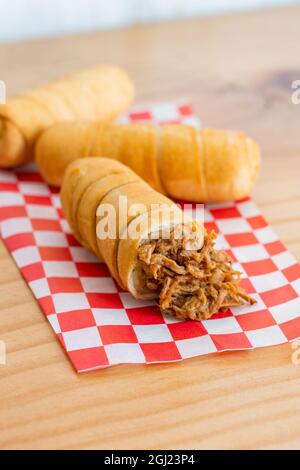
{"x": 100, "y": 93}
{"x": 177, "y": 160}
{"x": 150, "y": 247}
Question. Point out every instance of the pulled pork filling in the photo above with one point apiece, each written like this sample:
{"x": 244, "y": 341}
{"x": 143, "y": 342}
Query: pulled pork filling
{"x": 192, "y": 284}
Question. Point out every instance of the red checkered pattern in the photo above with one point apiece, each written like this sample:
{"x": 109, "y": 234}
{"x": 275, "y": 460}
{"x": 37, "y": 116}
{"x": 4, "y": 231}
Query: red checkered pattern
{"x": 98, "y": 324}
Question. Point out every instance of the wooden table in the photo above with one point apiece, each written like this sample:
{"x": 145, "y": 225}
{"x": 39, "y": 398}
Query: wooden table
{"x": 237, "y": 70}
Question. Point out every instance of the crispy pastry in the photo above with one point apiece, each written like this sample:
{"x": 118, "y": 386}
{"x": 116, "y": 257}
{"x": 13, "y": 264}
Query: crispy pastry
{"x": 100, "y": 93}
{"x": 176, "y": 160}
{"x": 152, "y": 250}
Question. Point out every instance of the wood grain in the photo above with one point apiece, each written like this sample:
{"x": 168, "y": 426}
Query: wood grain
{"x": 237, "y": 70}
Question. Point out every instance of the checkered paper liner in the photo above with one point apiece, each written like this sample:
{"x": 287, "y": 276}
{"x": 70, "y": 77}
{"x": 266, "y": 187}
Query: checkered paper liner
{"x": 99, "y": 325}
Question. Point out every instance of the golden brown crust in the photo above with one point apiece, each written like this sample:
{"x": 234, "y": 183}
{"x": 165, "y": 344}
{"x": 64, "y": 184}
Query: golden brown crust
{"x": 139, "y": 198}
{"x": 177, "y": 160}
{"x": 231, "y": 164}
{"x": 13, "y": 146}
{"x": 189, "y": 277}
{"x": 80, "y": 175}
{"x": 90, "y": 183}
{"x": 97, "y": 94}
{"x": 92, "y": 197}
{"x": 73, "y": 173}
{"x": 139, "y": 152}
{"x": 135, "y": 145}
{"x": 180, "y": 162}
{"x": 78, "y": 136}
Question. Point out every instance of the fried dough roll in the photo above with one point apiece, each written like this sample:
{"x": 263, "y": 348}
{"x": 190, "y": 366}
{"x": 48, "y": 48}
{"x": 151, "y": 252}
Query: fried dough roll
{"x": 150, "y": 247}
{"x": 100, "y": 93}
{"x": 176, "y": 160}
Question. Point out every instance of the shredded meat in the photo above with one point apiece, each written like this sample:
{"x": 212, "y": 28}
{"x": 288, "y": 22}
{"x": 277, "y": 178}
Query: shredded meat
{"x": 193, "y": 284}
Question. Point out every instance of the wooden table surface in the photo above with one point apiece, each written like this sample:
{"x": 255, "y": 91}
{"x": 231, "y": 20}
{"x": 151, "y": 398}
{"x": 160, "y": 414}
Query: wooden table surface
{"x": 237, "y": 70}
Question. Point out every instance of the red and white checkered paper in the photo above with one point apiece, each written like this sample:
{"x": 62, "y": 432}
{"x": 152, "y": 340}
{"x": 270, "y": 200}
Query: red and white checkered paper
{"x": 99, "y": 325}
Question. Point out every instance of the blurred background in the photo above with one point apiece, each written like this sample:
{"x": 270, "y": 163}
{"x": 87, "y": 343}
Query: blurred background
{"x": 30, "y": 19}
